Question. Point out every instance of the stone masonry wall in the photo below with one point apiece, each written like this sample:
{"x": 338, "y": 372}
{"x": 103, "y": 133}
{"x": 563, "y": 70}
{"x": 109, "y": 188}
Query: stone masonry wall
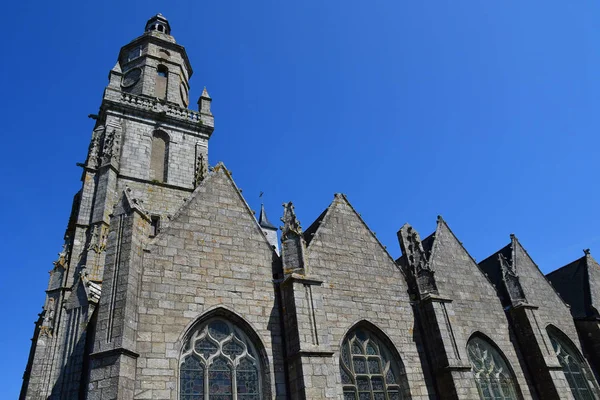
{"x": 476, "y": 305}
{"x": 212, "y": 255}
{"x": 360, "y": 282}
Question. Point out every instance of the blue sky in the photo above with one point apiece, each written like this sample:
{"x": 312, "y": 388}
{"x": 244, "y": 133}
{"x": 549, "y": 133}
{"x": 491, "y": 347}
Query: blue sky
{"x": 483, "y": 112}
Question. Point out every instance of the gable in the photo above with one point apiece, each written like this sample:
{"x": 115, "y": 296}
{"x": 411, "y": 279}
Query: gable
{"x": 455, "y": 270}
{"x": 216, "y": 211}
{"x": 343, "y": 244}
{"x": 537, "y": 288}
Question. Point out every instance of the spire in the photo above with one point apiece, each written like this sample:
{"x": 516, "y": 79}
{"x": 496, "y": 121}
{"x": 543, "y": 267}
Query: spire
{"x": 263, "y": 221}
{"x": 158, "y": 23}
{"x": 205, "y": 94}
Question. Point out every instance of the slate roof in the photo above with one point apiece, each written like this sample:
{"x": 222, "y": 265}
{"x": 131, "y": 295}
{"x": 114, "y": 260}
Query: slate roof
{"x": 310, "y": 232}
{"x": 263, "y": 221}
{"x": 573, "y": 283}
{"x": 491, "y": 266}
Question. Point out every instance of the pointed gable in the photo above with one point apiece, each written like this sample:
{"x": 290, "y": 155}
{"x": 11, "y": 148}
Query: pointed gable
{"x": 215, "y": 208}
{"x": 456, "y": 271}
{"x": 536, "y": 287}
{"x": 344, "y": 252}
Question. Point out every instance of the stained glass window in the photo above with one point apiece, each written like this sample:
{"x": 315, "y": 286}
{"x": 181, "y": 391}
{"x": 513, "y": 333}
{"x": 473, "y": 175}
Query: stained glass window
{"x": 219, "y": 363}
{"x": 368, "y": 371}
{"x": 573, "y": 366}
{"x": 494, "y": 379}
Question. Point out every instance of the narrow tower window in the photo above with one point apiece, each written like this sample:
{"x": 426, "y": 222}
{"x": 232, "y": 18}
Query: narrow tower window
{"x": 159, "y": 159}
{"x": 162, "y": 81}
{"x": 154, "y": 225}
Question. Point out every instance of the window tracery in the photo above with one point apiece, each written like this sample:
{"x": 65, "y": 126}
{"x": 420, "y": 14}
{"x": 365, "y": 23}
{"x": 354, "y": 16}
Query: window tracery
{"x": 573, "y": 367}
{"x": 494, "y": 378}
{"x": 367, "y": 368}
{"x": 220, "y": 363}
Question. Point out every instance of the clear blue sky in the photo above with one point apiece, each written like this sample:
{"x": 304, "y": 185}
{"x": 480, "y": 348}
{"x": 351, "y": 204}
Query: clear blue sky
{"x": 483, "y": 112}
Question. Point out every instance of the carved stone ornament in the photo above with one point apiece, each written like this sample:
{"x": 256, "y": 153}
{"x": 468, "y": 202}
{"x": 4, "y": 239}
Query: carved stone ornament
{"x": 419, "y": 271}
{"x": 291, "y": 225}
{"x": 112, "y": 145}
{"x": 94, "y": 149}
{"x": 200, "y": 172}
{"x": 48, "y": 318}
{"x": 97, "y": 239}
{"x": 511, "y": 281}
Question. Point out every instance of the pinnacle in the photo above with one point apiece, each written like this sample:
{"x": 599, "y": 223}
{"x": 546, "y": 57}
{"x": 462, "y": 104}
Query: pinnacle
{"x": 205, "y": 93}
{"x": 117, "y": 67}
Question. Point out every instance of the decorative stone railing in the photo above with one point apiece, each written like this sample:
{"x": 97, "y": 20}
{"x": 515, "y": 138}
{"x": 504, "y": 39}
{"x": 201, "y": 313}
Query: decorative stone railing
{"x": 155, "y": 105}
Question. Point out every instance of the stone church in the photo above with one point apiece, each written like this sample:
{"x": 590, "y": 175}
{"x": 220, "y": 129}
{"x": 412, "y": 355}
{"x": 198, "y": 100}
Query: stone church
{"x": 169, "y": 287}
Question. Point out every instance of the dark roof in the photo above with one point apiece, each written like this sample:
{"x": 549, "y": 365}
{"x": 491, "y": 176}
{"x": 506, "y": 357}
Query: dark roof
{"x": 572, "y": 282}
{"x": 263, "y": 221}
{"x": 491, "y": 266}
{"x": 310, "y": 232}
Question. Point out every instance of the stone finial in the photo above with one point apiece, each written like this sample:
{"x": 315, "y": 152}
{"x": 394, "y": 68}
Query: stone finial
{"x": 117, "y": 68}
{"x": 586, "y": 252}
{"x": 201, "y": 168}
{"x": 290, "y": 222}
{"x": 418, "y": 268}
{"x": 511, "y": 281}
{"x": 204, "y": 102}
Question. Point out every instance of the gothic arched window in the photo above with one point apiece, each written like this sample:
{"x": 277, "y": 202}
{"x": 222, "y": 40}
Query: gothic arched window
{"x": 159, "y": 157}
{"x": 368, "y": 369}
{"x": 495, "y": 380}
{"x": 572, "y": 364}
{"x": 162, "y": 82}
{"x": 220, "y": 362}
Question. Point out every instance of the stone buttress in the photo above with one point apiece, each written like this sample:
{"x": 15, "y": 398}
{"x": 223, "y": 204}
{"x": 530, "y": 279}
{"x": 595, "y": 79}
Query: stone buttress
{"x": 454, "y": 302}
{"x": 532, "y": 306}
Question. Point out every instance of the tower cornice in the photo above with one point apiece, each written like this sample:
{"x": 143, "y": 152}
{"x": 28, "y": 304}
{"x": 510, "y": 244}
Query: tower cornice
{"x": 157, "y": 110}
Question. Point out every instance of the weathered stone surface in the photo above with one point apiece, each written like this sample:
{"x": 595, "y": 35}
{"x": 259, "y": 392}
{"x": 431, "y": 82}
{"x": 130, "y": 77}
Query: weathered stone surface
{"x": 156, "y": 253}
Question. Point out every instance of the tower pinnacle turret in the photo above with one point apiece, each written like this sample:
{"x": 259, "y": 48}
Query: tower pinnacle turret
{"x": 158, "y": 23}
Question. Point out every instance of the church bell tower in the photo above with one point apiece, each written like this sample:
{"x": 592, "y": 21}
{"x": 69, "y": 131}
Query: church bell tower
{"x": 147, "y": 150}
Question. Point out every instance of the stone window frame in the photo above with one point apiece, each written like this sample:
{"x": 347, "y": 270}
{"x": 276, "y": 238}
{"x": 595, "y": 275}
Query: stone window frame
{"x": 499, "y": 360}
{"x": 162, "y": 72}
{"x": 565, "y": 349}
{"x": 160, "y": 134}
{"x": 388, "y": 354}
{"x": 241, "y": 325}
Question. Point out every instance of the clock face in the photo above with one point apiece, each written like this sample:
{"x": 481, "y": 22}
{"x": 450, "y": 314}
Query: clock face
{"x": 184, "y": 94}
{"x": 131, "y": 77}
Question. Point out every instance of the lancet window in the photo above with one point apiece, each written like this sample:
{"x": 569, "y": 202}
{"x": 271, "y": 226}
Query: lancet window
{"x": 368, "y": 370}
{"x": 162, "y": 82}
{"x": 220, "y": 363}
{"x": 159, "y": 157}
{"x": 572, "y": 364}
{"x": 495, "y": 380}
